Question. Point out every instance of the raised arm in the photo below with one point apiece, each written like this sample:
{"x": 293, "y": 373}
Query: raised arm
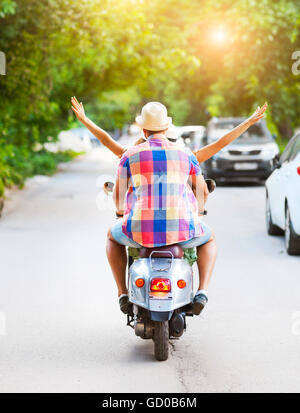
{"x": 208, "y": 151}
{"x": 100, "y": 134}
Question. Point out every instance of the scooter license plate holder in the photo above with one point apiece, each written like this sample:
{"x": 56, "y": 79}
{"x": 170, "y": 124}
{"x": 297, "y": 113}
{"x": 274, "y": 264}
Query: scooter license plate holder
{"x": 162, "y": 264}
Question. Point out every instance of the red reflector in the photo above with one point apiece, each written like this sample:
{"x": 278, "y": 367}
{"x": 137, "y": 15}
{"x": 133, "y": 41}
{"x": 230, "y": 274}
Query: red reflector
{"x": 298, "y": 170}
{"x": 160, "y": 284}
{"x": 140, "y": 282}
{"x": 181, "y": 283}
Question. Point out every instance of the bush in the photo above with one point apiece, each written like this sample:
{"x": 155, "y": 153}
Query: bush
{"x": 1, "y": 188}
{"x": 43, "y": 164}
{"x": 19, "y": 163}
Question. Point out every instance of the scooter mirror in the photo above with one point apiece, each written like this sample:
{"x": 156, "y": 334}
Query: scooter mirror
{"x": 108, "y": 187}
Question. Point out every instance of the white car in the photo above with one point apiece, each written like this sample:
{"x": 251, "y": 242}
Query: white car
{"x": 283, "y": 197}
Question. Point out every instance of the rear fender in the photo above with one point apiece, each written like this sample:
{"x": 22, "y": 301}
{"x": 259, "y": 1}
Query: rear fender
{"x": 160, "y": 315}
{"x": 160, "y": 302}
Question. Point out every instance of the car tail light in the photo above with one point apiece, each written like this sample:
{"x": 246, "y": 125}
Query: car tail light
{"x": 160, "y": 285}
{"x": 140, "y": 282}
{"x": 298, "y": 170}
{"x": 181, "y": 283}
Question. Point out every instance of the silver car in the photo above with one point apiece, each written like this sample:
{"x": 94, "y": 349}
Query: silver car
{"x": 250, "y": 157}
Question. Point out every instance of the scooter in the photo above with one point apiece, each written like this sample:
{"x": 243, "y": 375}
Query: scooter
{"x": 160, "y": 286}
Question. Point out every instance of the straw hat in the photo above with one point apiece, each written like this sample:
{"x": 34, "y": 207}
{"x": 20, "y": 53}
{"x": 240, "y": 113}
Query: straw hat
{"x": 154, "y": 117}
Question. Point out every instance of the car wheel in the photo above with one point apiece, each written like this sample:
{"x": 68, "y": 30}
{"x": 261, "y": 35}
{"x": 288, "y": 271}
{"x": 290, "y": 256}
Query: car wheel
{"x": 271, "y": 228}
{"x": 292, "y": 240}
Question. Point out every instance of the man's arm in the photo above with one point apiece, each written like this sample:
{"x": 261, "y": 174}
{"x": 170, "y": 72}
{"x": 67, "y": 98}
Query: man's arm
{"x": 208, "y": 151}
{"x": 100, "y": 134}
{"x": 120, "y": 190}
{"x": 200, "y": 191}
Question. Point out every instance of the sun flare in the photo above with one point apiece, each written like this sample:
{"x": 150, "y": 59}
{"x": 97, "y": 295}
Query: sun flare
{"x": 219, "y": 36}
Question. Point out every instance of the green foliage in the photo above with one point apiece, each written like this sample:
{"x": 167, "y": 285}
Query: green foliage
{"x": 114, "y": 108}
{"x": 282, "y": 142}
{"x": 115, "y": 55}
{"x": 7, "y": 7}
{"x": 19, "y": 163}
{"x": 254, "y": 63}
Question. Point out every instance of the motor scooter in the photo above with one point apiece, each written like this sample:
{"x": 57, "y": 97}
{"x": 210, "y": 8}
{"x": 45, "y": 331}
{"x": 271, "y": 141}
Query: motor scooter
{"x": 160, "y": 287}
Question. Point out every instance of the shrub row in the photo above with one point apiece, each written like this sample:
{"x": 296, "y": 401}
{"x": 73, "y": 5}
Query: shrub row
{"x": 19, "y": 163}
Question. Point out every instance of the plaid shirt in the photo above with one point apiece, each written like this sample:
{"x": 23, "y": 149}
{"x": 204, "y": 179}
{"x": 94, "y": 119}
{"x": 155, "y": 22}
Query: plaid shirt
{"x": 160, "y": 207}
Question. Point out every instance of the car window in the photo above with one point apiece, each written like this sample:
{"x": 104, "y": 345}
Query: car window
{"x": 288, "y": 150}
{"x": 296, "y": 148}
{"x": 257, "y": 133}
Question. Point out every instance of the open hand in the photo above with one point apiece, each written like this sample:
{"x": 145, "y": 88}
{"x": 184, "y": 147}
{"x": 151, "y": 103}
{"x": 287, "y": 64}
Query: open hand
{"x": 78, "y": 109}
{"x": 258, "y": 114}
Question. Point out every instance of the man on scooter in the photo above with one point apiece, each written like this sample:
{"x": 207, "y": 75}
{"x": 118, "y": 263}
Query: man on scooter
{"x": 154, "y": 196}
{"x": 154, "y": 121}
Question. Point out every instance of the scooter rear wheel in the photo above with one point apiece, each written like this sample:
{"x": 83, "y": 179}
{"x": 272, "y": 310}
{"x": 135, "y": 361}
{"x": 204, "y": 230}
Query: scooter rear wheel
{"x": 161, "y": 340}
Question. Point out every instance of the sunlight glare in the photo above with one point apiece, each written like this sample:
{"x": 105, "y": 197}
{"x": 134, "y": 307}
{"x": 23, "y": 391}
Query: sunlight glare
{"x": 219, "y": 36}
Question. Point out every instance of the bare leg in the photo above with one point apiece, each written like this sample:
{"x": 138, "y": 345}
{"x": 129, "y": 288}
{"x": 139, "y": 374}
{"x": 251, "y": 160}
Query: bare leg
{"x": 117, "y": 258}
{"x": 206, "y": 254}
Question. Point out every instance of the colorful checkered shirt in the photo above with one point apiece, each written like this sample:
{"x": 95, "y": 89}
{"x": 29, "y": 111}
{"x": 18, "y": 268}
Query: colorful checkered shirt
{"x": 160, "y": 207}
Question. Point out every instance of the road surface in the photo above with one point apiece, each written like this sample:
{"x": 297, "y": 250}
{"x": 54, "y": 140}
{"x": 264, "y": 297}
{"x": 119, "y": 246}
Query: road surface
{"x": 60, "y": 326}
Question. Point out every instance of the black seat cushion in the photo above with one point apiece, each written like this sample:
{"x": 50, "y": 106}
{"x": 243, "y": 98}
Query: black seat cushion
{"x": 162, "y": 252}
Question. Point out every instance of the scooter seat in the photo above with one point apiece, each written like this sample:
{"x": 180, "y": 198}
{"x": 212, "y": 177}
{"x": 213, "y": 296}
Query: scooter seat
{"x": 162, "y": 252}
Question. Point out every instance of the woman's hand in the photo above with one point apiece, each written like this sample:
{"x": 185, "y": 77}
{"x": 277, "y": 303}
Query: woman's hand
{"x": 258, "y": 114}
{"x": 100, "y": 134}
{"x": 78, "y": 109}
{"x": 206, "y": 152}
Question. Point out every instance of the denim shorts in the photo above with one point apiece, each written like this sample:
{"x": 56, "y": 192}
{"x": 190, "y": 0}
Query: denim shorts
{"x": 121, "y": 238}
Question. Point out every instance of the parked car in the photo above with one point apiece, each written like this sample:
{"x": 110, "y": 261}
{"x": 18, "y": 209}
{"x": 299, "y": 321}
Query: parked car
{"x": 192, "y": 136}
{"x": 250, "y": 157}
{"x": 283, "y": 197}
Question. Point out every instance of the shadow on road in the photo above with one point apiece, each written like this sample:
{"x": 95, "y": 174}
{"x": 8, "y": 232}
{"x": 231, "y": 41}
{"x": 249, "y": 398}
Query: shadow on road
{"x": 240, "y": 184}
{"x": 141, "y": 352}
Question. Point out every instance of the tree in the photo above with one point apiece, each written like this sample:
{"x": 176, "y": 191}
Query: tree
{"x": 253, "y": 63}
{"x": 201, "y": 58}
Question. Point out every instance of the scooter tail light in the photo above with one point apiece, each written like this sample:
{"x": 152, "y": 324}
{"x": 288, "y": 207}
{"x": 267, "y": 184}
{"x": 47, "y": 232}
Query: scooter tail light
{"x": 140, "y": 282}
{"x": 181, "y": 283}
{"x": 160, "y": 285}
{"x": 298, "y": 170}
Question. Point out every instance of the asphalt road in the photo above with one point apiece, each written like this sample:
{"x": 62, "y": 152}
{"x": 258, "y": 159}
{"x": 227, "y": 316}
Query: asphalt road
{"x": 60, "y": 326}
